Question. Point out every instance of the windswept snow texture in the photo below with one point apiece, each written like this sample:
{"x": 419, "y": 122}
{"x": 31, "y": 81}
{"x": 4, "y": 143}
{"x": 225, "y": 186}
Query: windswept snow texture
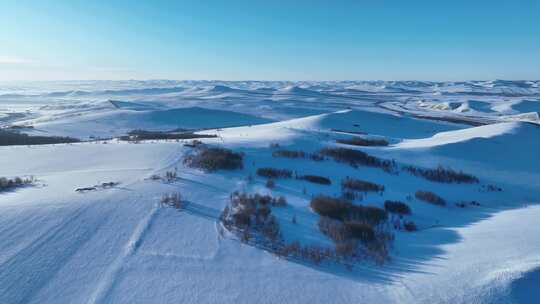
{"x": 118, "y": 245}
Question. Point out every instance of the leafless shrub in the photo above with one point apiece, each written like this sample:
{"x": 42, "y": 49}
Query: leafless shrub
{"x": 341, "y": 209}
{"x": 289, "y": 154}
{"x": 349, "y": 195}
{"x": 270, "y": 184}
{"x": 173, "y": 200}
{"x": 331, "y": 207}
{"x": 360, "y": 230}
{"x": 297, "y": 154}
{"x": 212, "y": 159}
{"x": 356, "y": 158}
{"x": 315, "y": 179}
{"x": 155, "y": 177}
{"x": 430, "y": 197}
{"x": 360, "y": 185}
{"x": 442, "y": 175}
{"x": 397, "y": 207}
{"x": 490, "y": 188}
{"x": 170, "y": 176}
{"x": 334, "y": 229}
{"x": 360, "y": 141}
{"x": 194, "y": 143}
{"x": 13, "y": 138}
{"x": 7, "y": 184}
{"x": 138, "y": 135}
{"x": 409, "y": 226}
{"x": 251, "y": 214}
{"x": 274, "y": 173}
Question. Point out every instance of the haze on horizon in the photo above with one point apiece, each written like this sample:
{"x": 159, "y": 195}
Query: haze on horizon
{"x": 256, "y": 40}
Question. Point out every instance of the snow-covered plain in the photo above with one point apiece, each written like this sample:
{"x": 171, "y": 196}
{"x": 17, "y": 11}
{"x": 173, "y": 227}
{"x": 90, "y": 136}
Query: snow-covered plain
{"x": 117, "y": 245}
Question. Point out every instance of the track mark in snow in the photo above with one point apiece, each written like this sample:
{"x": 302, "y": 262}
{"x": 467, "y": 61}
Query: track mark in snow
{"x": 27, "y": 272}
{"x": 109, "y": 277}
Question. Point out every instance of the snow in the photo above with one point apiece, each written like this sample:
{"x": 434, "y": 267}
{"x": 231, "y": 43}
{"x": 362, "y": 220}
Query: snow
{"x": 118, "y": 245}
{"x": 451, "y": 137}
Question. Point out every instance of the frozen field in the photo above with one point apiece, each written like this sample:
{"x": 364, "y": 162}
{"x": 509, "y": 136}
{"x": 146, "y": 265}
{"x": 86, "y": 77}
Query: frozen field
{"x": 119, "y": 245}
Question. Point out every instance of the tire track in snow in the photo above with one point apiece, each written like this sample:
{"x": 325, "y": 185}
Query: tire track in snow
{"x": 109, "y": 277}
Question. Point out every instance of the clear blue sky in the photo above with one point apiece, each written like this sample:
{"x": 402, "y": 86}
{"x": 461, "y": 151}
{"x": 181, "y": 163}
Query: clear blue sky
{"x": 270, "y": 40}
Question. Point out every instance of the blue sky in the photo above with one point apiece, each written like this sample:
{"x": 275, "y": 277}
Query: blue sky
{"x": 270, "y": 40}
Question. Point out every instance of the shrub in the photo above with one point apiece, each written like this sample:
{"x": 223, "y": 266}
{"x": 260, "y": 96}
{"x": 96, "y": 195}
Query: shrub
{"x": 355, "y": 158}
{"x": 251, "y": 214}
{"x": 333, "y": 229}
{"x": 331, "y": 207}
{"x": 274, "y": 173}
{"x": 349, "y": 195}
{"x": 397, "y": 207}
{"x": 360, "y": 185}
{"x": 410, "y": 226}
{"x": 289, "y": 154}
{"x": 7, "y": 184}
{"x": 173, "y": 200}
{"x": 430, "y": 197}
{"x": 368, "y": 214}
{"x": 170, "y": 176}
{"x": 297, "y": 154}
{"x": 11, "y": 138}
{"x": 341, "y": 209}
{"x": 315, "y": 179}
{"x": 136, "y": 135}
{"x": 442, "y": 175}
{"x": 346, "y": 248}
{"x": 360, "y": 141}
{"x": 270, "y": 184}
{"x": 360, "y": 230}
{"x": 212, "y": 159}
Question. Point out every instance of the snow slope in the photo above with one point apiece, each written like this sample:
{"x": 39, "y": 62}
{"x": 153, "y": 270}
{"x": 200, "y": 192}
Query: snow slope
{"x": 118, "y": 245}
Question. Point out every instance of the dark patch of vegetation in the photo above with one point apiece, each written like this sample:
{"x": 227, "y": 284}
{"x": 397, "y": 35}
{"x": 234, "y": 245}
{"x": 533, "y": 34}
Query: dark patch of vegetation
{"x": 356, "y": 158}
{"x": 270, "y": 184}
{"x": 410, "y": 226}
{"x": 194, "y": 144}
{"x": 397, "y": 207}
{"x": 212, "y": 159}
{"x": 274, "y": 173}
{"x": 251, "y": 215}
{"x": 315, "y": 179}
{"x": 360, "y": 185}
{"x": 173, "y": 200}
{"x": 8, "y": 184}
{"x": 490, "y": 188}
{"x": 342, "y": 209}
{"x": 297, "y": 154}
{"x": 136, "y": 135}
{"x": 350, "y": 195}
{"x": 360, "y": 141}
{"x": 356, "y": 238}
{"x": 331, "y": 207}
{"x": 171, "y": 176}
{"x": 430, "y": 197}
{"x": 442, "y": 175}
{"x": 10, "y": 138}
{"x": 360, "y": 230}
{"x": 334, "y": 229}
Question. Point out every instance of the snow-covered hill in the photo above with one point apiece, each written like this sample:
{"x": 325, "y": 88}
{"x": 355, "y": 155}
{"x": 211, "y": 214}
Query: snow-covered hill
{"x": 118, "y": 244}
